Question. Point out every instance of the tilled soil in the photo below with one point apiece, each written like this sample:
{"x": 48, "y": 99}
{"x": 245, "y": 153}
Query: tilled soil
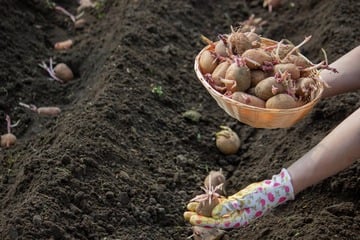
{"x": 121, "y": 161}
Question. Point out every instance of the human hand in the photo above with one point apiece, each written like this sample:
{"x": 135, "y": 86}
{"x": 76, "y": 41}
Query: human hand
{"x": 246, "y": 205}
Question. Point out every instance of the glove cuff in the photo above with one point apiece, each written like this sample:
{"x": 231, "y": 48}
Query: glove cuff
{"x": 283, "y": 180}
{"x": 272, "y": 193}
{"x": 279, "y": 189}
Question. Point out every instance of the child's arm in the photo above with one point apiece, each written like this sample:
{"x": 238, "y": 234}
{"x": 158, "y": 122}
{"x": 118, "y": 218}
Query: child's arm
{"x": 334, "y": 153}
{"x": 348, "y": 77}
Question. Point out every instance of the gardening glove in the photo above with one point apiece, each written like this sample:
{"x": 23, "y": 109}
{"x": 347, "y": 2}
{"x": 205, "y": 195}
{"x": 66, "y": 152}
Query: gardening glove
{"x": 245, "y": 206}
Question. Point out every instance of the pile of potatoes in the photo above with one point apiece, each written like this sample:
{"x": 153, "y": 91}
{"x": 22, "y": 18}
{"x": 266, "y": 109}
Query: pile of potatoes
{"x": 259, "y": 72}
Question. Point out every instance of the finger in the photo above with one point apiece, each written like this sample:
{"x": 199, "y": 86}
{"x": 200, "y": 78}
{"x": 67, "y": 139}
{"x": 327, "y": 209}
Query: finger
{"x": 202, "y": 221}
{"x": 192, "y": 206}
{"x": 232, "y": 221}
{"x": 238, "y": 218}
{"x": 188, "y": 215}
{"x": 220, "y": 223}
{"x": 235, "y": 220}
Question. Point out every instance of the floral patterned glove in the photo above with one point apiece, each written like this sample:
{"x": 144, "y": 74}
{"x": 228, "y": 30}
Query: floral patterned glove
{"x": 250, "y": 203}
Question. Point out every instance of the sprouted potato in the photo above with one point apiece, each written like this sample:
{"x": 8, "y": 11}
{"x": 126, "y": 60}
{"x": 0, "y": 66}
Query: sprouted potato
{"x": 268, "y": 87}
{"x": 227, "y": 141}
{"x": 207, "y": 62}
{"x": 42, "y": 111}
{"x": 63, "y": 72}
{"x": 63, "y": 45}
{"x": 281, "y": 101}
{"x": 216, "y": 178}
{"x": 248, "y": 99}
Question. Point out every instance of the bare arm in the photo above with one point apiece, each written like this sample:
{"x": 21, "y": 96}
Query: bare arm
{"x": 348, "y": 77}
{"x": 334, "y": 153}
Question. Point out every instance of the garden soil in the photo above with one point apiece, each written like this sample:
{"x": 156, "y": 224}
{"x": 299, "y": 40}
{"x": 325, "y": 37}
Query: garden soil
{"x": 121, "y": 161}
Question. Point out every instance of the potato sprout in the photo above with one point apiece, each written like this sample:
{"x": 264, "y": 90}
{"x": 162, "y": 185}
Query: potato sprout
{"x": 8, "y": 139}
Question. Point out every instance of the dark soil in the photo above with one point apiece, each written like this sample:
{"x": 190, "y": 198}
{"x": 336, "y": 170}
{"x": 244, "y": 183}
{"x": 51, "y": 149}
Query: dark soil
{"x": 121, "y": 161}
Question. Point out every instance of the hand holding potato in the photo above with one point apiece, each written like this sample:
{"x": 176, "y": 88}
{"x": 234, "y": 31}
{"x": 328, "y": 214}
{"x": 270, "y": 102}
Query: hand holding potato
{"x": 248, "y": 204}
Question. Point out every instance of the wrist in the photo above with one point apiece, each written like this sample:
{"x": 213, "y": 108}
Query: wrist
{"x": 276, "y": 190}
{"x": 282, "y": 183}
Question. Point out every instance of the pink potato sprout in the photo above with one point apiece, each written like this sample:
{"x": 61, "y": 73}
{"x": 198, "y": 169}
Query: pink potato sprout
{"x": 50, "y": 69}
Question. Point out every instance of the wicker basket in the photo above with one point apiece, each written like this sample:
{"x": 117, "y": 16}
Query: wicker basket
{"x": 255, "y": 116}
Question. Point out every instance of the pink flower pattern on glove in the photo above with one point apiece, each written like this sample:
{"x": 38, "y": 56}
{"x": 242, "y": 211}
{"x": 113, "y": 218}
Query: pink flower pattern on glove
{"x": 270, "y": 197}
